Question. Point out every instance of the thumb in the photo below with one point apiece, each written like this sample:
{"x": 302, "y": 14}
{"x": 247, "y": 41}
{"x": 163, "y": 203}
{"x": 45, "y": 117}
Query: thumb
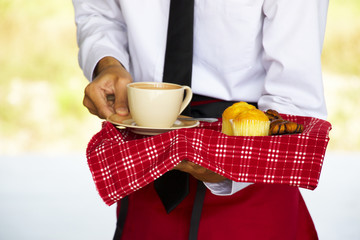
{"x": 120, "y": 90}
{"x": 121, "y": 104}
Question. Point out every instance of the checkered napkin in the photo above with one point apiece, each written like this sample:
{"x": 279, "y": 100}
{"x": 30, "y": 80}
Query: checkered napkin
{"x": 122, "y": 162}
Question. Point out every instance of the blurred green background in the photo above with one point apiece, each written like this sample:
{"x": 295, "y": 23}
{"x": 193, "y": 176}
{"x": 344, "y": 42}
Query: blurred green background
{"x": 41, "y": 85}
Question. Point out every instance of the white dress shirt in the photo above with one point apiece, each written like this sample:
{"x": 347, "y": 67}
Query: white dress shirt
{"x": 265, "y": 51}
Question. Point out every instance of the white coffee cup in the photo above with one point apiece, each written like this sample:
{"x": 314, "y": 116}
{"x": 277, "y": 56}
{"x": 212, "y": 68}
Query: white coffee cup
{"x": 157, "y": 104}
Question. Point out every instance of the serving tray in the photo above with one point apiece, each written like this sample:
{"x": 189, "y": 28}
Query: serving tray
{"x": 122, "y": 162}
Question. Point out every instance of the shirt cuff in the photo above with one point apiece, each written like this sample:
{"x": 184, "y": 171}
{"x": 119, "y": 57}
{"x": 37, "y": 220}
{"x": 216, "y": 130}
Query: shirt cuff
{"x": 226, "y": 187}
{"x": 89, "y": 62}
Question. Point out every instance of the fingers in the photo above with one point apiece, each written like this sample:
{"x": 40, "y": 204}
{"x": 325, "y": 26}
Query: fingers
{"x": 96, "y": 102}
{"x": 89, "y": 105}
{"x": 107, "y": 94}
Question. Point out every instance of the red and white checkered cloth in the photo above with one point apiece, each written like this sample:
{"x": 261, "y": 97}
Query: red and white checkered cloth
{"x": 121, "y": 162}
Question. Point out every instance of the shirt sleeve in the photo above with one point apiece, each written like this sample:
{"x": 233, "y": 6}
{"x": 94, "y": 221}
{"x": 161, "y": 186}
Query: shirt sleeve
{"x": 101, "y": 31}
{"x": 226, "y": 187}
{"x": 293, "y": 34}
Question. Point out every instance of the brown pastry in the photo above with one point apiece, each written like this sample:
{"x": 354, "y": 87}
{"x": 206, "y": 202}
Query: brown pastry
{"x": 279, "y": 126}
{"x": 272, "y": 114}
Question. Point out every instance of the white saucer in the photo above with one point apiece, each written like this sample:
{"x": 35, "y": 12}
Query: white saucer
{"x": 130, "y": 123}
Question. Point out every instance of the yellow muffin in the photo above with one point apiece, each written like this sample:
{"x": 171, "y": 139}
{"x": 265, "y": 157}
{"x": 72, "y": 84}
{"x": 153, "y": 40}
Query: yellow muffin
{"x": 230, "y": 113}
{"x": 243, "y": 119}
{"x": 251, "y": 123}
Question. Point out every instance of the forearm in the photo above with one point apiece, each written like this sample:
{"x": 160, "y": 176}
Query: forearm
{"x": 199, "y": 172}
{"x": 217, "y": 184}
{"x": 292, "y": 45}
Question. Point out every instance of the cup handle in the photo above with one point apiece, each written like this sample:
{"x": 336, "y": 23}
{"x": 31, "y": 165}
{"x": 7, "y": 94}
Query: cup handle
{"x": 187, "y": 99}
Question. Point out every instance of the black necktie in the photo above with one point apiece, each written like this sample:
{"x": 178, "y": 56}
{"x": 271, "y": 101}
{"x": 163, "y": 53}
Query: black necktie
{"x": 173, "y": 186}
{"x": 179, "y": 45}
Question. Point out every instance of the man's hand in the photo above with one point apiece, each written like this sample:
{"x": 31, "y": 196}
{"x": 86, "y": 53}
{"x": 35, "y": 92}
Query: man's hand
{"x": 107, "y": 93}
{"x": 199, "y": 172}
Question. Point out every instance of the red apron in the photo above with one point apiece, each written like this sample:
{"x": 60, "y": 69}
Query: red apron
{"x": 260, "y": 211}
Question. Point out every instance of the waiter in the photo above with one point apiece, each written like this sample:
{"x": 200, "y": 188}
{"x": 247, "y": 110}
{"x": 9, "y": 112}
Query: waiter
{"x": 265, "y": 52}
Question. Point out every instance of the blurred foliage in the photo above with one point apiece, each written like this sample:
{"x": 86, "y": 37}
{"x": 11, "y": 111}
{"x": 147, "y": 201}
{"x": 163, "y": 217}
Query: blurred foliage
{"x": 341, "y": 64}
{"x": 341, "y": 53}
{"x": 36, "y": 40}
{"x": 42, "y": 85}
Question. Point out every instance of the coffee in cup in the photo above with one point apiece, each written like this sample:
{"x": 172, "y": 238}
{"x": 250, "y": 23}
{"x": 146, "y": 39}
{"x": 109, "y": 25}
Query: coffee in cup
{"x": 157, "y": 104}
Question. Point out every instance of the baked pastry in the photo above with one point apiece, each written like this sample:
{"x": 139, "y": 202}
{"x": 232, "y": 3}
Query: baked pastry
{"x": 279, "y": 126}
{"x": 272, "y": 114}
{"x": 243, "y": 119}
{"x": 252, "y": 122}
{"x": 230, "y": 114}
